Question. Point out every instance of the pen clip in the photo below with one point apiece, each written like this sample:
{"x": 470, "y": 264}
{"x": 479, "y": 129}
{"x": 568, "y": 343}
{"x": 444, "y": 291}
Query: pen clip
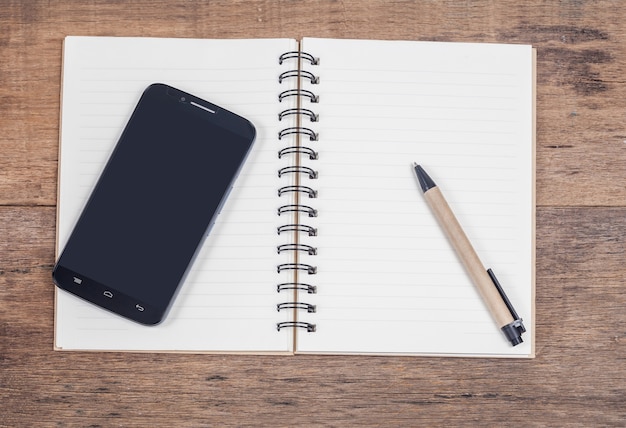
{"x": 514, "y": 330}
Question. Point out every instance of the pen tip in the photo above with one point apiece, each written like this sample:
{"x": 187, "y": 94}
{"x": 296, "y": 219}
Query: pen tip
{"x": 424, "y": 179}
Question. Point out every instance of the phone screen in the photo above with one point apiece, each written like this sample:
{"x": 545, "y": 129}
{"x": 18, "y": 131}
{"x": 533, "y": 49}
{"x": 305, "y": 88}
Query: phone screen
{"x": 154, "y": 203}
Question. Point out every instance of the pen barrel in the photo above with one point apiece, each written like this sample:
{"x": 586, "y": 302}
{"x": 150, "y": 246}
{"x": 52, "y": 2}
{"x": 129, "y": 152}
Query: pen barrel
{"x": 468, "y": 256}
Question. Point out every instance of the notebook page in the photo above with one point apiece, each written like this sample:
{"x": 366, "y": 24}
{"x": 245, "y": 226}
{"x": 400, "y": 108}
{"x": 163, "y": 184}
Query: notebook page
{"x": 388, "y": 280}
{"x": 228, "y": 302}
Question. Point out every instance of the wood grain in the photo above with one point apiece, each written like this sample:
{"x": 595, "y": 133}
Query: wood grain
{"x": 578, "y": 377}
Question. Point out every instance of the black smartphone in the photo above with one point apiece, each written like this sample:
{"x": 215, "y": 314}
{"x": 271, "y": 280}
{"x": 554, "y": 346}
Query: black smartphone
{"x": 154, "y": 203}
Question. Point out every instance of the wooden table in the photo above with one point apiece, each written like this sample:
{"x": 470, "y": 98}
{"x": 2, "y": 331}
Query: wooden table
{"x": 579, "y": 374}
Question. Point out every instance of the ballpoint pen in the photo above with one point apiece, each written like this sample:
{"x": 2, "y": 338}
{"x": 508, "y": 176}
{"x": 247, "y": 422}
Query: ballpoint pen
{"x": 486, "y": 282}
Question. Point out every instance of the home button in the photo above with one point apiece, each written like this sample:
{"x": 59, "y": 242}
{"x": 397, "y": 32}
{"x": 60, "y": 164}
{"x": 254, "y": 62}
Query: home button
{"x": 108, "y": 294}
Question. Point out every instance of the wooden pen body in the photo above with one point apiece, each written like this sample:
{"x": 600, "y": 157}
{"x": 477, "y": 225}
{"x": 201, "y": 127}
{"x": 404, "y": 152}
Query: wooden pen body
{"x": 468, "y": 256}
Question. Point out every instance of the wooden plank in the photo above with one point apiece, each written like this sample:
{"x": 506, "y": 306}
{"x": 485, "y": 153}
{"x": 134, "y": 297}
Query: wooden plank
{"x": 581, "y": 64}
{"x": 576, "y": 378}
{"x": 578, "y": 375}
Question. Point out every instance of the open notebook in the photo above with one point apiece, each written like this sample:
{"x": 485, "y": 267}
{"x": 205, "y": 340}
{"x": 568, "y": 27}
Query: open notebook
{"x": 326, "y": 244}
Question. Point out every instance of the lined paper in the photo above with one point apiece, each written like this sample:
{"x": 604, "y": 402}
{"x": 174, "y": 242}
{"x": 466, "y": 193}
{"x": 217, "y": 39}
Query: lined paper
{"x": 228, "y": 302}
{"x": 388, "y": 280}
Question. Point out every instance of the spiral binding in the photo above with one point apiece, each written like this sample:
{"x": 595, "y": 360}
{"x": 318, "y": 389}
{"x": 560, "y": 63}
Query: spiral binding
{"x": 298, "y": 170}
{"x": 298, "y": 93}
{"x": 311, "y": 270}
{"x": 298, "y": 55}
{"x": 313, "y": 155}
{"x": 297, "y": 324}
{"x": 311, "y": 231}
{"x": 296, "y": 305}
{"x": 298, "y": 229}
{"x": 310, "y": 289}
{"x": 313, "y": 136}
{"x": 310, "y": 211}
{"x": 303, "y": 111}
{"x": 312, "y": 251}
{"x": 297, "y": 74}
{"x": 298, "y": 188}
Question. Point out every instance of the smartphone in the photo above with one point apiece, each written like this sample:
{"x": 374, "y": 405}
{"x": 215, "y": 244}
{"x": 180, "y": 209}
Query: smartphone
{"x": 154, "y": 204}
